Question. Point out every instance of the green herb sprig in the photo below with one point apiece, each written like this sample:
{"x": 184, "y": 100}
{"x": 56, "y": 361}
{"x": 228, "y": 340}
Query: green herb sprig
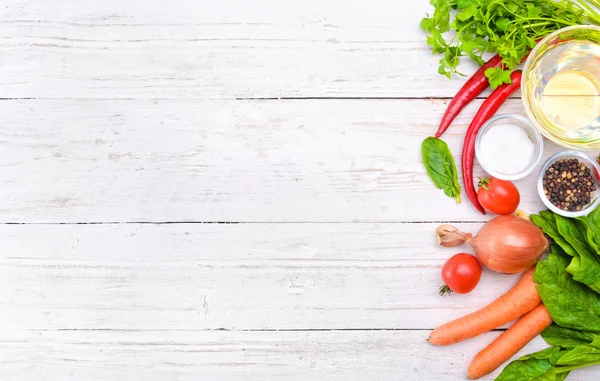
{"x": 507, "y": 27}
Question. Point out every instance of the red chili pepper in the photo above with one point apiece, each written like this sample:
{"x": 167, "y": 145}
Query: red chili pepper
{"x": 486, "y": 111}
{"x": 470, "y": 90}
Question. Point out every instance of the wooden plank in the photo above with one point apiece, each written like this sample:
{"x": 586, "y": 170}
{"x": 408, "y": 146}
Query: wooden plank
{"x": 250, "y": 161}
{"x": 224, "y": 49}
{"x": 223, "y": 356}
{"x": 230, "y": 276}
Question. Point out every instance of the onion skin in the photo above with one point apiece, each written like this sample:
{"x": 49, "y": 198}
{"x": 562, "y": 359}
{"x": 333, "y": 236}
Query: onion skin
{"x": 506, "y": 244}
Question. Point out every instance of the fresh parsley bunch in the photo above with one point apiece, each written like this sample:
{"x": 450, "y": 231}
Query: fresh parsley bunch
{"x": 507, "y": 27}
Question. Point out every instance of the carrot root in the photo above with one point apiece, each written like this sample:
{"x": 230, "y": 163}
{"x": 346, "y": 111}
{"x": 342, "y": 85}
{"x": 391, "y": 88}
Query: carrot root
{"x": 510, "y": 342}
{"x": 522, "y": 298}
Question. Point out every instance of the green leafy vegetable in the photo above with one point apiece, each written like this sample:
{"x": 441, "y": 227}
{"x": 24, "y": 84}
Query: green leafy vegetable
{"x": 548, "y": 215}
{"x": 537, "y": 366}
{"x": 571, "y": 304}
{"x": 566, "y": 337}
{"x": 592, "y": 226}
{"x": 587, "y": 354}
{"x": 440, "y": 166}
{"x": 507, "y": 27}
{"x": 548, "y": 226}
{"x": 572, "y": 231}
{"x": 572, "y": 236}
{"x": 586, "y": 268}
{"x": 563, "y": 279}
{"x": 497, "y": 76}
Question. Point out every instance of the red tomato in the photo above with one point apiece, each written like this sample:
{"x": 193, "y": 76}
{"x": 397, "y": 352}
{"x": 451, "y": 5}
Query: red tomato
{"x": 498, "y": 196}
{"x": 461, "y": 273}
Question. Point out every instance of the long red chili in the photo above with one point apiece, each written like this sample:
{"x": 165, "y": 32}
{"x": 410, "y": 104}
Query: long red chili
{"x": 486, "y": 111}
{"x": 469, "y": 91}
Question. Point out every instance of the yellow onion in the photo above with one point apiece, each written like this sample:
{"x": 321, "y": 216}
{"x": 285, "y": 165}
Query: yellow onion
{"x": 507, "y": 244}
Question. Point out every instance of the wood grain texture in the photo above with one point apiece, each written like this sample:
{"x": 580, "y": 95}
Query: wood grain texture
{"x": 120, "y": 113}
{"x": 249, "y": 161}
{"x": 230, "y": 276}
{"x": 233, "y": 49}
{"x": 228, "y": 356}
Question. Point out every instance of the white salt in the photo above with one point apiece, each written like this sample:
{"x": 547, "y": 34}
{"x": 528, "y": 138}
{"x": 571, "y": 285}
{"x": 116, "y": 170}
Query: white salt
{"x": 506, "y": 149}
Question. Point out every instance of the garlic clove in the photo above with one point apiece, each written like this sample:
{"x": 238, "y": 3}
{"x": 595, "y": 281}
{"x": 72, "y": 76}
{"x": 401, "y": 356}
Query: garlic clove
{"x": 449, "y": 236}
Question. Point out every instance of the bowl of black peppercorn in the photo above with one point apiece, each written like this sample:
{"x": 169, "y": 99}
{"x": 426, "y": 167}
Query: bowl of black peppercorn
{"x": 568, "y": 183}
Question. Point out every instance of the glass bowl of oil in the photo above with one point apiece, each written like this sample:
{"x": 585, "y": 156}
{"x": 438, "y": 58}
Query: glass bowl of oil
{"x": 561, "y": 87}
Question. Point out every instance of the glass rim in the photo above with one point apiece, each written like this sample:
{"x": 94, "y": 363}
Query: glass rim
{"x": 526, "y": 96}
{"x": 538, "y": 142}
{"x": 540, "y": 186}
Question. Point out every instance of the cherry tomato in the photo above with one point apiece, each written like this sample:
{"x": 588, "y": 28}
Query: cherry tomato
{"x": 460, "y": 273}
{"x": 498, "y": 196}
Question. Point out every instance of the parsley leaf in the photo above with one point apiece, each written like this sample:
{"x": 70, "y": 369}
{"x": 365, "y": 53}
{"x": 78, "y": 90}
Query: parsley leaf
{"x": 507, "y": 27}
{"x": 502, "y": 23}
{"x": 467, "y": 13}
{"x": 497, "y": 76}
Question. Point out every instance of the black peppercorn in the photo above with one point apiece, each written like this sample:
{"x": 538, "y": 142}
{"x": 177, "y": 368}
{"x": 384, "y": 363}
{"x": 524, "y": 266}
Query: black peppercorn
{"x": 568, "y": 184}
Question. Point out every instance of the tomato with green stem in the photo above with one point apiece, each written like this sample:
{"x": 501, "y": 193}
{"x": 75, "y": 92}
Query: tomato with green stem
{"x": 498, "y": 196}
{"x": 461, "y": 274}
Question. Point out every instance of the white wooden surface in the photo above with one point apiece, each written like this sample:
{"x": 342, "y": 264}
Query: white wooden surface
{"x": 244, "y": 161}
{"x": 226, "y": 190}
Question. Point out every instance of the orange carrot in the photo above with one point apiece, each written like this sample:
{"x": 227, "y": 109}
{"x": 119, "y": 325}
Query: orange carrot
{"x": 510, "y": 342}
{"x": 522, "y": 298}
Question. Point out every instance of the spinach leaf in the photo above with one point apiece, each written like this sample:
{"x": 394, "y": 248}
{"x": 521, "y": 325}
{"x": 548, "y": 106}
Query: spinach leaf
{"x": 571, "y": 236}
{"x": 563, "y": 279}
{"x": 534, "y": 367}
{"x": 547, "y": 223}
{"x": 586, "y": 269}
{"x": 583, "y": 355}
{"x": 592, "y": 224}
{"x": 566, "y": 338}
{"x": 560, "y": 376}
{"x": 574, "y": 232}
{"x": 571, "y": 304}
{"x": 440, "y": 166}
{"x": 549, "y": 216}
{"x": 551, "y": 364}
{"x": 590, "y": 235}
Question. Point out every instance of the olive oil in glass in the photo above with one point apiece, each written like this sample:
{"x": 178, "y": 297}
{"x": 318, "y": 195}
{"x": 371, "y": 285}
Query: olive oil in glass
{"x": 565, "y": 85}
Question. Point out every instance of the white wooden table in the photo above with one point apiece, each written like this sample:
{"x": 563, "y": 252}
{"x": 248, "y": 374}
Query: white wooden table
{"x": 226, "y": 190}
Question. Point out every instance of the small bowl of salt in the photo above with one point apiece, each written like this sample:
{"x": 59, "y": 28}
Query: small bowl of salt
{"x": 508, "y": 147}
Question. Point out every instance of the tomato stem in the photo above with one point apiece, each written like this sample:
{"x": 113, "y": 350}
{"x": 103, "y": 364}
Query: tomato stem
{"x": 445, "y": 290}
{"x": 484, "y": 183}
